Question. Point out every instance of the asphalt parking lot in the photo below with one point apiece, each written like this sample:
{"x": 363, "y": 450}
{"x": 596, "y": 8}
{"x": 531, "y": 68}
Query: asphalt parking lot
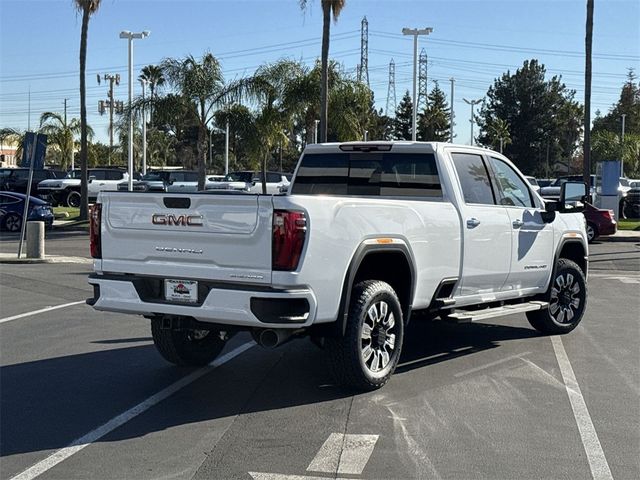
{"x": 85, "y": 395}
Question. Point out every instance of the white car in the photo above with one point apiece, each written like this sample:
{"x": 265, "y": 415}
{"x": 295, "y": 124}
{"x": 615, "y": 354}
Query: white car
{"x": 250, "y": 182}
{"x": 66, "y": 191}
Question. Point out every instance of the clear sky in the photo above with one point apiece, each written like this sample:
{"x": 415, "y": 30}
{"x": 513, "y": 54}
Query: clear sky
{"x": 473, "y": 41}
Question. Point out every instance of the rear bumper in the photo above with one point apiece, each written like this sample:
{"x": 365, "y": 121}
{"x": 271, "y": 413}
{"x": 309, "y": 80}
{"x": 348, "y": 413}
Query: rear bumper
{"x": 226, "y": 304}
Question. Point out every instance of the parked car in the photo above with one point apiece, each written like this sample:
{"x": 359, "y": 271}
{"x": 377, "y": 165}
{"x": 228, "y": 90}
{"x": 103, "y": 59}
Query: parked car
{"x": 66, "y": 191}
{"x": 250, "y": 182}
{"x": 534, "y": 183}
{"x": 17, "y": 179}
{"x": 552, "y": 191}
{"x": 152, "y": 181}
{"x": 631, "y": 208}
{"x": 12, "y": 209}
{"x": 599, "y": 222}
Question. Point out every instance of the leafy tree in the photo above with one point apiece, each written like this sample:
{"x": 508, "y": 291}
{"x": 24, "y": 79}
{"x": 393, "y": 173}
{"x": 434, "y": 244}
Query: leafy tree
{"x": 434, "y": 123}
{"x": 403, "y": 118}
{"x": 62, "y": 134}
{"x": 98, "y": 153}
{"x": 329, "y": 7}
{"x": 542, "y": 116}
{"x": 86, "y": 8}
{"x": 628, "y": 104}
{"x": 606, "y": 145}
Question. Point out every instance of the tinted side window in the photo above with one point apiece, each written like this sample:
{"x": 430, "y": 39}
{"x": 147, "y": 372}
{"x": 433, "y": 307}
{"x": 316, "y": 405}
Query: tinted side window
{"x": 98, "y": 174}
{"x": 273, "y": 177}
{"x": 514, "y": 191}
{"x": 190, "y": 176}
{"x": 8, "y": 200}
{"x": 114, "y": 175}
{"x": 474, "y": 178}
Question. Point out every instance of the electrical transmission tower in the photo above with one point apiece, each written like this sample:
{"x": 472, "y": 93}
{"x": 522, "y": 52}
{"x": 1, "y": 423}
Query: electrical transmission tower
{"x": 363, "y": 71}
{"x": 111, "y": 104}
{"x": 422, "y": 82}
{"x": 391, "y": 91}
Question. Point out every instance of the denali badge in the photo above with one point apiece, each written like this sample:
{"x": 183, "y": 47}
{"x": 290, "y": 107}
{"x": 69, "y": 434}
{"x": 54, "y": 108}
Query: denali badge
{"x": 196, "y": 251}
{"x": 178, "y": 221}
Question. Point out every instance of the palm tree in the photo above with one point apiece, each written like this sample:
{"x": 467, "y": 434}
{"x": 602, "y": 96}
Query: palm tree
{"x": 203, "y": 84}
{"x": 87, "y": 8}
{"x": 62, "y": 134}
{"x": 155, "y": 76}
{"x": 586, "y": 161}
{"x": 329, "y": 7}
{"x": 499, "y": 133}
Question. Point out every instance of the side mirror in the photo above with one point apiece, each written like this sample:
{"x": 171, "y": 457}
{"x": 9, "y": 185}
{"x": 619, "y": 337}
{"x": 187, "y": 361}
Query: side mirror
{"x": 550, "y": 209}
{"x": 573, "y": 196}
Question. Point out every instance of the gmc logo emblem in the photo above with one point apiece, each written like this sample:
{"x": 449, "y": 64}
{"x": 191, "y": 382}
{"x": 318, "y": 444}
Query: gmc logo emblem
{"x": 177, "y": 221}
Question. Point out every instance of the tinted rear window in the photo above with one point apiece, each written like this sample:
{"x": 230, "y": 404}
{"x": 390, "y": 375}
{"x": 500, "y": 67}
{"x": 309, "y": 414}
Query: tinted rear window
{"x": 372, "y": 173}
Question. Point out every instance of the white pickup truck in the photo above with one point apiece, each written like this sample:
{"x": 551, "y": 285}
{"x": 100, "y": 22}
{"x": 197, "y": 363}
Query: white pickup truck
{"x": 367, "y": 235}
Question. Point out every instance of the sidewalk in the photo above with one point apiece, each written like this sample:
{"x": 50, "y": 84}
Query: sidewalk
{"x": 12, "y": 258}
{"x": 621, "y": 236}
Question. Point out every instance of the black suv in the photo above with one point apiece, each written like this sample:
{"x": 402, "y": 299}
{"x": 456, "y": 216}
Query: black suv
{"x": 17, "y": 179}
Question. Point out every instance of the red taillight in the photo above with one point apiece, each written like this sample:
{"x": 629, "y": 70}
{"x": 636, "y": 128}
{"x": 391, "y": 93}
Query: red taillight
{"x": 608, "y": 214}
{"x": 95, "y": 241}
{"x": 289, "y": 232}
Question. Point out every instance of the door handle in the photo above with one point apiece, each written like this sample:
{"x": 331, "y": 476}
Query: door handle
{"x": 473, "y": 222}
{"x": 517, "y": 223}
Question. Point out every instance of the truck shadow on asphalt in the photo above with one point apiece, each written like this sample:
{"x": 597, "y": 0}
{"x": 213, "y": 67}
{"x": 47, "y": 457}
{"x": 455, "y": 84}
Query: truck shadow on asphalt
{"x": 47, "y": 404}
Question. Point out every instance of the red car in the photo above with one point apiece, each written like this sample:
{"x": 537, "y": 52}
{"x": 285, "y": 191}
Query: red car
{"x": 599, "y": 222}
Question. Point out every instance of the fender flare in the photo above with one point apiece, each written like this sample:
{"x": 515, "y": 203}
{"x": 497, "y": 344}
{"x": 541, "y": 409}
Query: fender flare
{"x": 360, "y": 254}
{"x": 563, "y": 242}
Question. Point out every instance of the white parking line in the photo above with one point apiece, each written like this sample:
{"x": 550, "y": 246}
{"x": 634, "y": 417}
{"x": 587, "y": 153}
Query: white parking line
{"x": 86, "y": 440}
{"x": 595, "y": 455}
{"x": 42, "y": 310}
{"x": 344, "y": 454}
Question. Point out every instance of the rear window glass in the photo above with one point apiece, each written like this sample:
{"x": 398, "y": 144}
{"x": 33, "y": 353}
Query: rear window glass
{"x": 367, "y": 174}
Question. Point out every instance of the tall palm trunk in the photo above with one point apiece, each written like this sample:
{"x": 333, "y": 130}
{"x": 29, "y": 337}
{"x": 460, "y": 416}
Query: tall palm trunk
{"x": 324, "y": 82}
{"x": 587, "y": 96}
{"x": 84, "y": 193}
{"x": 202, "y": 150}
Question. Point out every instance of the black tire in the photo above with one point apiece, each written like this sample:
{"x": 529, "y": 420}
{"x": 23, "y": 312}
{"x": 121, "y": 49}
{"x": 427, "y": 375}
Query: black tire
{"x": 186, "y": 347}
{"x": 73, "y": 199}
{"x": 567, "y": 297}
{"x": 348, "y": 354}
{"x": 12, "y": 222}
{"x": 592, "y": 232}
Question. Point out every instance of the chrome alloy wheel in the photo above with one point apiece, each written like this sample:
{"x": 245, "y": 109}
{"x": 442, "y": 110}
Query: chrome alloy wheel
{"x": 591, "y": 233}
{"x": 565, "y": 298}
{"x": 378, "y": 337}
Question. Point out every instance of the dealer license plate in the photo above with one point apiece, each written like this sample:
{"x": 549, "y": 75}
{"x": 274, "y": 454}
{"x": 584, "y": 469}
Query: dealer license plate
{"x": 185, "y": 291}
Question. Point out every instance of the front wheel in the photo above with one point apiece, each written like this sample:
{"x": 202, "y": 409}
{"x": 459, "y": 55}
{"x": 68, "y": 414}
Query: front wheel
{"x": 187, "y": 346}
{"x": 567, "y": 298}
{"x": 73, "y": 199}
{"x": 368, "y": 353}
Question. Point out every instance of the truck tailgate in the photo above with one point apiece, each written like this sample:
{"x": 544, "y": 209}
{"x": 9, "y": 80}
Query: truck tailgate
{"x": 200, "y": 236}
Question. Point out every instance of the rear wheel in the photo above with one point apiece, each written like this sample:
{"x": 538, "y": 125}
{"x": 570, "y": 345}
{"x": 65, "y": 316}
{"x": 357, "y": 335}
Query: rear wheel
{"x": 187, "y": 346}
{"x": 12, "y": 222}
{"x": 73, "y": 199}
{"x": 592, "y": 232}
{"x": 368, "y": 353}
{"x": 567, "y": 297}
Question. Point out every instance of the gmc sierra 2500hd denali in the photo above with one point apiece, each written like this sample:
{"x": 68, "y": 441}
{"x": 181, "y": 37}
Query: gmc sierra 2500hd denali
{"x": 366, "y": 234}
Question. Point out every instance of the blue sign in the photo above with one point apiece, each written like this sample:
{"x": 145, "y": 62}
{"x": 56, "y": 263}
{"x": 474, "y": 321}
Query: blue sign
{"x": 40, "y": 150}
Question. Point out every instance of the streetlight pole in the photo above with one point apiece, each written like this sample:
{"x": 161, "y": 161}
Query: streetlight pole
{"x": 415, "y": 32}
{"x": 624, "y": 115}
{"x": 130, "y": 37}
{"x": 226, "y": 148}
{"x": 144, "y": 128}
{"x": 452, "y": 80}
{"x": 472, "y": 103}
{"x": 315, "y": 132}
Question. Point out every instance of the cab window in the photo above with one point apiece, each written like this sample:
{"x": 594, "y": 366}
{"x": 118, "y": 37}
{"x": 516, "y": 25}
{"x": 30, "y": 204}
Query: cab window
{"x": 474, "y": 178}
{"x": 513, "y": 189}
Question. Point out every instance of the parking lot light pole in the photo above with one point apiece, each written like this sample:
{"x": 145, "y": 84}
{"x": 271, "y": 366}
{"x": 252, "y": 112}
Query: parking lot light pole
{"x": 130, "y": 36}
{"x": 415, "y": 32}
{"x": 472, "y": 103}
{"x": 144, "y": 128}
{"x": 315, "y": 132}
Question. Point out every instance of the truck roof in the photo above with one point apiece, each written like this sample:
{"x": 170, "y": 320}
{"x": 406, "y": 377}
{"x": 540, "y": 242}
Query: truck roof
{"x": 396, "y": 145}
